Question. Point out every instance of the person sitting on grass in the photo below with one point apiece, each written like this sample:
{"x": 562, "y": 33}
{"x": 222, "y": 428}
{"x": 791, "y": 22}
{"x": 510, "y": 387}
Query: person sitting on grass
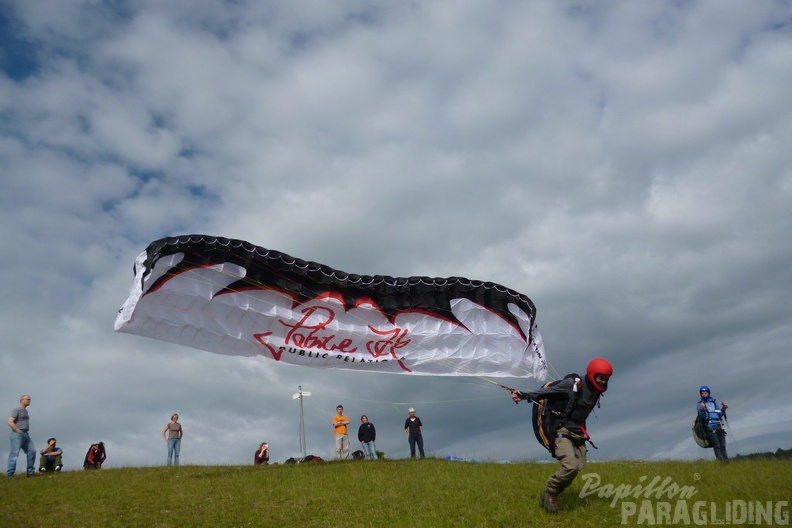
{"x": 261, "y": 456}
{"x": 51, "y": 457}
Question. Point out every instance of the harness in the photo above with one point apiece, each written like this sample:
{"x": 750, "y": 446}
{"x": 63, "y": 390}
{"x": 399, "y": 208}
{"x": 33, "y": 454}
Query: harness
{"x": 547, "y": 417}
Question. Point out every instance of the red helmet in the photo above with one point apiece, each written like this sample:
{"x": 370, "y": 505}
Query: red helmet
{"x": 599, "y": 366}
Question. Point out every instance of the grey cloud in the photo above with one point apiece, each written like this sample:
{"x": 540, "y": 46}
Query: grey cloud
{"x": 624, "y": 165}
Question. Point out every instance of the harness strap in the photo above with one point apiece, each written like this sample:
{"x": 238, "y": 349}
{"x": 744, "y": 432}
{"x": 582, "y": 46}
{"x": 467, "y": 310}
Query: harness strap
{"x": 576, "y": 438}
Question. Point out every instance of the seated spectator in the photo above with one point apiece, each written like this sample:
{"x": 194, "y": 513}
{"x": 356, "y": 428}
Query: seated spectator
{"x": 51, "y": 457}
{"x": 261, "y": 457}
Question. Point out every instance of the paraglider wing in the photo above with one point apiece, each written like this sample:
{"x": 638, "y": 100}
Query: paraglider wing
{"x": 232, "y": 297}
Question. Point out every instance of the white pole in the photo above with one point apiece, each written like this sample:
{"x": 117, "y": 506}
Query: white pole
{"x": 300, "y": 395}
{"x": 302, "y": 427}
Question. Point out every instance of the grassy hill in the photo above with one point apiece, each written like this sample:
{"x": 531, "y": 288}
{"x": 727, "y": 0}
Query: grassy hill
{"x": 402, "y": 493}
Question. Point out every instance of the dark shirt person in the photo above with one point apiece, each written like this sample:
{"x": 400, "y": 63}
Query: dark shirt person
{"x": 414, "y": 429}
{"x": 261, "y": 456}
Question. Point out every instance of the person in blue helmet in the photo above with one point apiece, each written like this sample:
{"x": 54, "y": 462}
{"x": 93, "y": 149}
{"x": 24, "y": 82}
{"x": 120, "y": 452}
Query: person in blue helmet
{"x": 714, "y": 416}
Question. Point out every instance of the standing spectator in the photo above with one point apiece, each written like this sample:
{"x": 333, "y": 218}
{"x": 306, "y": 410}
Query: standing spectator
{"x": 709, "y": 412}
{"x": 51, "y": 457}
{"x": 174, "y": 435}
{"x": 414, "y": 428}
{"x": 19, "y": 422}
{"x": 340, "y": 423}
{"x": 261, "y": 456}
{"x": 367, "y": 434}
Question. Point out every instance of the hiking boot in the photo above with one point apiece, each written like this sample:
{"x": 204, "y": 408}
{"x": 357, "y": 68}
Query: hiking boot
{"x": 42, "y": 470}
{"x": 58, "y": 468}
{"x": 550, "y": 501}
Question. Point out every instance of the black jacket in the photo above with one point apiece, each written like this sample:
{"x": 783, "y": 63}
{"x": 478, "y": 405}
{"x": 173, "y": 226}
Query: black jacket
{"x": 367, "y": 433}
{"x": 414, "y": 426}
{"x": 580, "y": 405}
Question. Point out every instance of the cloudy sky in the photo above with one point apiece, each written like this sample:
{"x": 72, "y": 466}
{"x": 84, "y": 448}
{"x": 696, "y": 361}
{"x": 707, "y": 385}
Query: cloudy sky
{"x": 627, "y": 165}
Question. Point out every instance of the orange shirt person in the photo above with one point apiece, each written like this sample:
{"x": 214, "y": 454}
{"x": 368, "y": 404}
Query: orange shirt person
{"x": 340, "y": 423}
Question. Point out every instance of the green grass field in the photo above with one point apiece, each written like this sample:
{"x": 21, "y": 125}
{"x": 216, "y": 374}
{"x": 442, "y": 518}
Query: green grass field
{"x": 404, "y": 493}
